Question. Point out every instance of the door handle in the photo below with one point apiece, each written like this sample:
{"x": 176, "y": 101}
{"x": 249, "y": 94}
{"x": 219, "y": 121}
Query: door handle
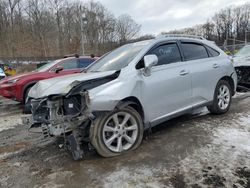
{"x": 215, "y": 65}
{"x": 184, "y": 72}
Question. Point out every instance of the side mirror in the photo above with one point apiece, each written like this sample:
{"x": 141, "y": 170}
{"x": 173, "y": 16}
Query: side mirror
{"x": 58, "y": 69}
{"x": 149, "y": 62}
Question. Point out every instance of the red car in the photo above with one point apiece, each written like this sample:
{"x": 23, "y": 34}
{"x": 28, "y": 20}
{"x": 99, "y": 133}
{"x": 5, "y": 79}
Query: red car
{"x": 17, "y": 87}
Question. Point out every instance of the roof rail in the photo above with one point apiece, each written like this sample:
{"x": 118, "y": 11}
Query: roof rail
{"x": 181, "y": 35}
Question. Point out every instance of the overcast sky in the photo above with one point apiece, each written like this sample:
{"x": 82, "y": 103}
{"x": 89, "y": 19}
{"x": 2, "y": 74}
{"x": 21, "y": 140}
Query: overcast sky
{"x": 164, "y": 15}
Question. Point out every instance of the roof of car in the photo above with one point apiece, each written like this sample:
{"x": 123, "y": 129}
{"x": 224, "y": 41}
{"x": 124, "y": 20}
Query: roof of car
{"x": 80, "y": 57}
{"x": 180, "y": 36}
{"x": 167, "y": 37}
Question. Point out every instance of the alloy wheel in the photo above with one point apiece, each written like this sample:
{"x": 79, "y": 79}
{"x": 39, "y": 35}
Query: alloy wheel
{"x": 223, "y": 97}
{"x": 120, "y": 132}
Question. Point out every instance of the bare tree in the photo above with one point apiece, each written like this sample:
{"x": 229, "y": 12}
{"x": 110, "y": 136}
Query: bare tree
{"x": 57, "y": 9}
{"x": 52, "y": 27}
{"x": 208, "y": 30}
{"x": 126, "y": 28}
{"x": 11, "y": 11}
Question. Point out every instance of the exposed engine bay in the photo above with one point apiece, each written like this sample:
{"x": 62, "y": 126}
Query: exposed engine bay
{"x": 241, "y": 62}
{"x": 243, "y": 75}
{"x": 67, "y": 116}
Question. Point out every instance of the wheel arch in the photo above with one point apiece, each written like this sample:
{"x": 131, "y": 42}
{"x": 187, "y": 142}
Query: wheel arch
{"x": 230, "y": 81}
{"x": 26, "y": 87}
{"x": 134, "y": 103}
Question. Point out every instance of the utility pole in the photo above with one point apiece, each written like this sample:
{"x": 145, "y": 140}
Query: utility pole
{"x": 83, "y": 20}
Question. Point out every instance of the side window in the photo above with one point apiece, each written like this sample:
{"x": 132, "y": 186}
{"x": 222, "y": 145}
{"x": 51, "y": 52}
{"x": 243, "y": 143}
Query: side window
{"x": 212, "y": 52}
{"x": 85, "y": 62}
{"x": 194, "y": 51}
{"x": 167, "y": 53}
{"x": 69, "y": 64}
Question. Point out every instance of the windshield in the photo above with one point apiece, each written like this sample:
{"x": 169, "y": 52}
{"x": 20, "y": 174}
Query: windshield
{"x": 117, "y": 59}
{"x": 245, "y": 51}
{"x": 47, "y": 66}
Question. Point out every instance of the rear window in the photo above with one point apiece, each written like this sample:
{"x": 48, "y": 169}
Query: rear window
{"x": 85, "y": 62}
{"x": 69, "y": 64}
{"x": 193, "y": 51}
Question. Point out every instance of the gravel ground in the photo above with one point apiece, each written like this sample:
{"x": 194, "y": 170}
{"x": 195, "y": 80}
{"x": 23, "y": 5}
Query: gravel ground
{"x": 198, "y": 150}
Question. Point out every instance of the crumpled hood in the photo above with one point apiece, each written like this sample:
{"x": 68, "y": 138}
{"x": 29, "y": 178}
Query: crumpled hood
{"x": 241, "y": 61}
{"x": 63, "y": 84}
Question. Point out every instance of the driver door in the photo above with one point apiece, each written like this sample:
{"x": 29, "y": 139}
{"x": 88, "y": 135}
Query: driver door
{"x": 167, "y": 90}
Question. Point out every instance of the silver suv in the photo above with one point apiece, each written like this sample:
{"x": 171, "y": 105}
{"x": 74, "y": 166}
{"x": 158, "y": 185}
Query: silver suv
{"x": 131, "y": 89}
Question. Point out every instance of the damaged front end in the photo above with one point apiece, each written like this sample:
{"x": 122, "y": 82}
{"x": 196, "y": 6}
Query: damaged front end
{"x": 67, "y": 115}
{"x": 241, "y": 61}
{"x": 243, "y": 75}
{"x": 64, "y": 116}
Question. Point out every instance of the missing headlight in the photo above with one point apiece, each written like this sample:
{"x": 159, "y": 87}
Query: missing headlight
{"x": 39, "y": 110}
{"x": 72, "y": 105}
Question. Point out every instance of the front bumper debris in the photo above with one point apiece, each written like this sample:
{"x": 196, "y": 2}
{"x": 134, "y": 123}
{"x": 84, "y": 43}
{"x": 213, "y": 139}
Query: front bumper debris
{"x": 66, "y": 117}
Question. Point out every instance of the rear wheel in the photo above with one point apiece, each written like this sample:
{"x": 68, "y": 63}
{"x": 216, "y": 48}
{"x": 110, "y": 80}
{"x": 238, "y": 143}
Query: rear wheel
{"x": 118, "y": 132}
{"x": 222, "y": 98}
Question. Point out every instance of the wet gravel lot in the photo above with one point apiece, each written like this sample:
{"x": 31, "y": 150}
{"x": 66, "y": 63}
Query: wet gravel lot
{"x": 198, "y": 150}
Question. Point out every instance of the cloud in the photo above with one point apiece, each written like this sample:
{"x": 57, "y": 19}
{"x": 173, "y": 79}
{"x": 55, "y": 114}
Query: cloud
{"x": 165, "y": 15}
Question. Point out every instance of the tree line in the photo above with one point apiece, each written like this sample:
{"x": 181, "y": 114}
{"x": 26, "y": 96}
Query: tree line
{"x": 50, "y": 28}
{"x": 227, "y": 24}
{"x": 45, "y": 28}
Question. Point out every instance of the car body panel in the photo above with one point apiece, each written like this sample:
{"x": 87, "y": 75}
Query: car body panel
{"x": 240, "y": 59}
{"x": 205, "y": 75}
{"x": 167, "y": 89}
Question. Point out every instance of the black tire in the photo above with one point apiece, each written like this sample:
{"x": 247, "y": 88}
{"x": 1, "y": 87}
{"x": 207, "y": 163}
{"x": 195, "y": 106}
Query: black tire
{"x": 96, "y": 132}
{"x": 27, "y": 104}
{"x": 215, "y": 108}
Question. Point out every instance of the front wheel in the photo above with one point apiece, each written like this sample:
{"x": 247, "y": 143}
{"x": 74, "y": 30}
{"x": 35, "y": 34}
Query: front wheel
{"x": 26, "y": 102}
{"x": 117, "y": 132}
{"x": 222, "y": 98}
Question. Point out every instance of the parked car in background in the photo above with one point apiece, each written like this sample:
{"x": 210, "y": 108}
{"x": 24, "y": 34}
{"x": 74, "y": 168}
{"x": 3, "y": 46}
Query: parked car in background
{"x": 241, "y": 61}
{"x": 131, "y": 89}
{"x": 17, "y": 87}
{"x": 2, "y": 74}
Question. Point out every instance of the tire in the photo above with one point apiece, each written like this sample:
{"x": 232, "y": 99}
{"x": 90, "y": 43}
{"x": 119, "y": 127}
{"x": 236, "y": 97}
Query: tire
{"x": 27, "y": 104}
{"x": 221, "y": 103}
{"x": 104, "y": 127}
